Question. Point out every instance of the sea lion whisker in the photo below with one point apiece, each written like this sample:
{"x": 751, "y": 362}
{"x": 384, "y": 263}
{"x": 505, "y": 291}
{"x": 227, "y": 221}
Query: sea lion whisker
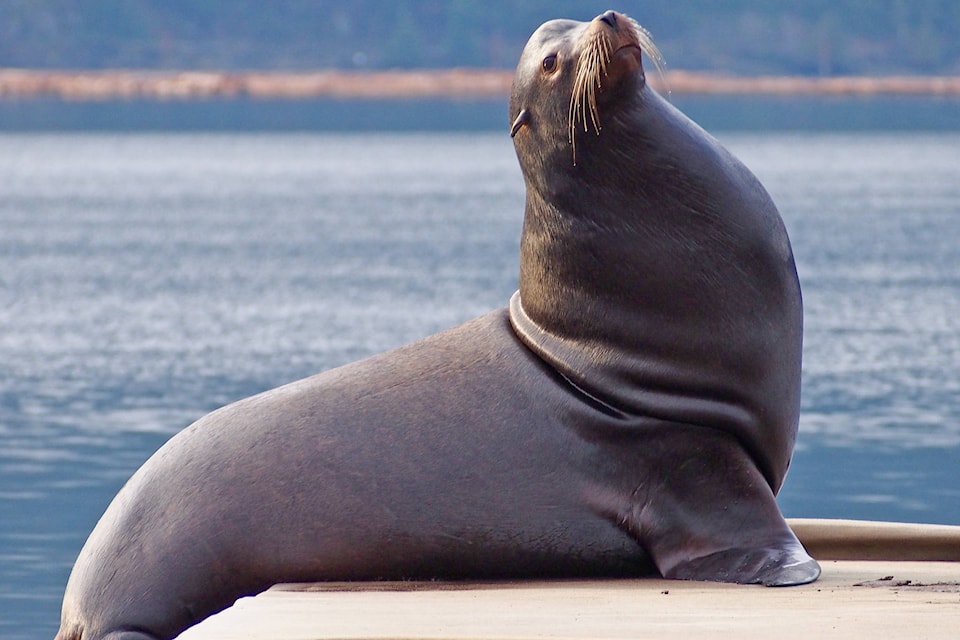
{"x": 648, "y": 47}
{"x": 590, "y": 69}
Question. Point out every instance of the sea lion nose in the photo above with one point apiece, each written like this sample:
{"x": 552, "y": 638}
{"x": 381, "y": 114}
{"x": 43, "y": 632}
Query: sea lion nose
{"x": 610, "y": 17}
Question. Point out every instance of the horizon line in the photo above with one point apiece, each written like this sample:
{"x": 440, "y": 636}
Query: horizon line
{"x": 459, "y": 82}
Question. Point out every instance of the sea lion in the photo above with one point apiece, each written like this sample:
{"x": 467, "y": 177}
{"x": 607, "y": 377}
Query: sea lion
{"x": 633, "y": 410}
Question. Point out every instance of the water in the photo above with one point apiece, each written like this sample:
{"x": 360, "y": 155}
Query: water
{"x": 148, "y": 278}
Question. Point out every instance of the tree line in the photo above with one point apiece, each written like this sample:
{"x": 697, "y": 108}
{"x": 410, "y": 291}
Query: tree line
{"x": 795, "y": 37}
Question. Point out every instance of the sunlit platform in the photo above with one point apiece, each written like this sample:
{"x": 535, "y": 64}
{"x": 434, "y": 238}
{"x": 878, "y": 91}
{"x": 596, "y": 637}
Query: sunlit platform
{"x": 880, "y": 580}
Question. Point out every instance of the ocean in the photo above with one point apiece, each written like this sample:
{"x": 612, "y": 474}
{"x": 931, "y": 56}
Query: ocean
{"x": 150, "y": 274}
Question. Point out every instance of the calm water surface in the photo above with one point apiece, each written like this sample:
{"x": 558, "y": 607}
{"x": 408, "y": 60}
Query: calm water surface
{"x": 146, "y": 279}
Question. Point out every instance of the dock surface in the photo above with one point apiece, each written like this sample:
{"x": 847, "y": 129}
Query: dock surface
{"x": 885, "y": 596}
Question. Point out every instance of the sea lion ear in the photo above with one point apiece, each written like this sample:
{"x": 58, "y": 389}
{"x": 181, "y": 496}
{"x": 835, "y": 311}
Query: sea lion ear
{"x": 522, "y": 118}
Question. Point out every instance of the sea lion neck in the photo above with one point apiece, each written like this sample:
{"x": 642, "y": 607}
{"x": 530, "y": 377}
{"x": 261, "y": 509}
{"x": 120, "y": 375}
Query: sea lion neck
{"x": 656, "y": 277}
{"x": 596, "y": 234}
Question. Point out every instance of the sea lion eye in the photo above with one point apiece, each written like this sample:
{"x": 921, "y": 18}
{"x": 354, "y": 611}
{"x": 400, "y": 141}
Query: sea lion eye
{"x": 549, "y": 64}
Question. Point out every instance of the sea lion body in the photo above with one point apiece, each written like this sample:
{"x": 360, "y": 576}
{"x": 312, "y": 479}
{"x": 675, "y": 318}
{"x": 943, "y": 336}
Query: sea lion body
{"x": 632, "y": 411}
{"x": 407, "y": 464}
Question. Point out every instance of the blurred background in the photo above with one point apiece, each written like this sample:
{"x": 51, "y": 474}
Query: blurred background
{"x": 805, "y": 37}
{"x": 163, "y": 255}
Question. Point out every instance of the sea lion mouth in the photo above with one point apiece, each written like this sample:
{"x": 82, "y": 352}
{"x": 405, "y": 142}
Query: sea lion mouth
{"x": 633, "y": 51}
{"x": 611, "y": 49}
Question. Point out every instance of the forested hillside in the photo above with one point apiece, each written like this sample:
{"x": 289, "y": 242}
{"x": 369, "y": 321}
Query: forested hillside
{"x": 806, "y": 37}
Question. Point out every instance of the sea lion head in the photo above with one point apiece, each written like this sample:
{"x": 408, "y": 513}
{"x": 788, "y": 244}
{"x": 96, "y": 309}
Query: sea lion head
{"x": 591, "y": 64}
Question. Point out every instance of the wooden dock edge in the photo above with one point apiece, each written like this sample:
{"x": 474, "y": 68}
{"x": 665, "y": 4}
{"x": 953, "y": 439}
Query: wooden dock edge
{"x": 866, "y": 540}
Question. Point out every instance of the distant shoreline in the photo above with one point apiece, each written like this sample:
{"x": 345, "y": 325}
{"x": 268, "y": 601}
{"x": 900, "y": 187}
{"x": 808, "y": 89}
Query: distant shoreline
{"x": 461, "y": 83}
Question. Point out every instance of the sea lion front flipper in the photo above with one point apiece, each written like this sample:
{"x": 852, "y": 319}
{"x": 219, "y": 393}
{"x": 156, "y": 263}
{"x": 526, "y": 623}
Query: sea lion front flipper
{"x": 786, "y": 565}
{"x": 711, "y": 515}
